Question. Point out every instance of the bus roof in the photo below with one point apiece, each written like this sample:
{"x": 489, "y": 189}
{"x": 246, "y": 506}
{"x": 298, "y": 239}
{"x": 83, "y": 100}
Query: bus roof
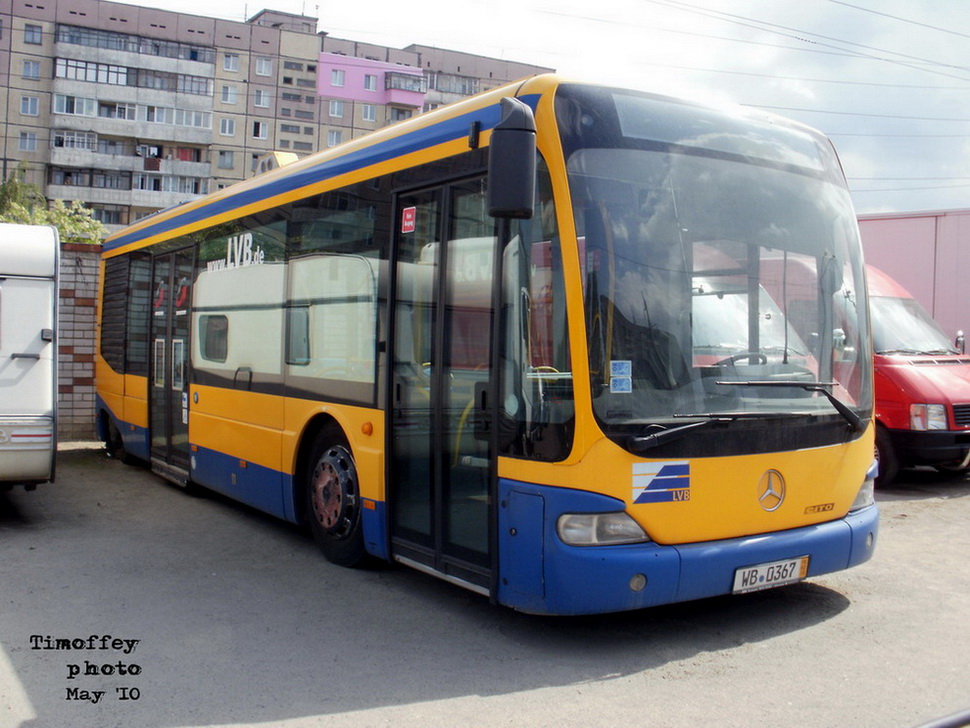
{"x": 448, "y": 125}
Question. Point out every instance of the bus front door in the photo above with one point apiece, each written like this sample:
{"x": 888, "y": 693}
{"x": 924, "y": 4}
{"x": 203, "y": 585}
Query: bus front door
{"x": 440, "y": 465}
{"x": 169, "y": 390}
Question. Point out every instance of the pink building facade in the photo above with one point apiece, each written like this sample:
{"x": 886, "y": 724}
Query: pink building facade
{"x": 928, "y": 253}
{"x": 366, "y": 81}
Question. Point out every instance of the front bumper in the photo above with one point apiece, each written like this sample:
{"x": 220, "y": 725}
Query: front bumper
{"x": 540, "y": 574}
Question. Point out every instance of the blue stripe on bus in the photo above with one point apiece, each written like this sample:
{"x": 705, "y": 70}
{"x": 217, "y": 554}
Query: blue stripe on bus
{"x": 273, "y": 492}
{"x": 433, "y": 135}
{"x": 244, "y": 481}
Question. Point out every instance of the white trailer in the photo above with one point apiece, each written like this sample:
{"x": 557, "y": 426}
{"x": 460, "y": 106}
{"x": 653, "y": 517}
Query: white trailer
{"x": 28, "y": 354}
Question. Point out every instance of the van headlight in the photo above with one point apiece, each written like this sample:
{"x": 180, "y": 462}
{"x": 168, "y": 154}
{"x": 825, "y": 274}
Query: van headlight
{"x": 927, "y": 416}
{"x": 867, "y": 493}
{"x": 599, "y": 529}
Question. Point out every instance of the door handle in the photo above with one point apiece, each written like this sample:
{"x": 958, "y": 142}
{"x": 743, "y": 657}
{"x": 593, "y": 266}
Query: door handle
{"x": 245, "y": 371}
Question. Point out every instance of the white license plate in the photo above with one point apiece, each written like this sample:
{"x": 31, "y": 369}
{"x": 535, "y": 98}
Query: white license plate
{"x": 765, "y": 576}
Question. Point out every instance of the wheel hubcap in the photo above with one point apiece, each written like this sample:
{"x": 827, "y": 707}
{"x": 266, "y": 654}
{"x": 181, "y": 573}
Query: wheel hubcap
{"x": 333, "y": 492}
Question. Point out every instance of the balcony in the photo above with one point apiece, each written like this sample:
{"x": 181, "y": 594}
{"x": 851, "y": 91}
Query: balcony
{"x": 129, "y": 162}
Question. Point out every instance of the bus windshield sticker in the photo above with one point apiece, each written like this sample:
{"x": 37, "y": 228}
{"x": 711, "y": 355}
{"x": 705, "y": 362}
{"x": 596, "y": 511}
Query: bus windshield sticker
{"x": 621, "y": 377}
{"x": 661, "y": 482}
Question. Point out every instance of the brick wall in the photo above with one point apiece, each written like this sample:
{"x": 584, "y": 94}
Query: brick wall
{"x": 76, "y": 341}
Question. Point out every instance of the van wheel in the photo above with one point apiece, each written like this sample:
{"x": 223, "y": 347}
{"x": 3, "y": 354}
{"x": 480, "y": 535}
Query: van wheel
{"x": 888, "y": 462}
{"x": 333, "y": 499}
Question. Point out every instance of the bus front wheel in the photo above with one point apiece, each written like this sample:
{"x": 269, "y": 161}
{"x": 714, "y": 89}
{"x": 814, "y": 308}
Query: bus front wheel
{"x": 333, "y": 500}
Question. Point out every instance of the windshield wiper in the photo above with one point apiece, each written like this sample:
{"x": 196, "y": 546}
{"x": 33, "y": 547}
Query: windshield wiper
{"x": 662, "y": 435}
{"x": 855, "y": 422}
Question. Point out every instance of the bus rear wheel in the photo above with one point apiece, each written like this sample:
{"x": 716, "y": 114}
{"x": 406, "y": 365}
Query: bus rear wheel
{"x": 333, "y": 500}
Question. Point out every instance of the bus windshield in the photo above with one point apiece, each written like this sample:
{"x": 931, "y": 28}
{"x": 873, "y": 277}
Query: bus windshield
{"x": 720, "y": 263}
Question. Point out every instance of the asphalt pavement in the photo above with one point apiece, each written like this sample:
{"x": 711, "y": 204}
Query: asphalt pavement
{"x": 126, "y": 602}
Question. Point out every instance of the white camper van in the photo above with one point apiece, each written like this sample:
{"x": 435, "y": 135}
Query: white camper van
{"x": 28, "y": 354}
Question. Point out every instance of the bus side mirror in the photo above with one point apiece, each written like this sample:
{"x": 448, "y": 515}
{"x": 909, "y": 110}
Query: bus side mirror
{"x": 512, "y": 162}
{"x": 961, "y": 342}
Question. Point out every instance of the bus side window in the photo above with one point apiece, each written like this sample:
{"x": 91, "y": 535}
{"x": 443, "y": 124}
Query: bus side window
{"x": 536, "y": 372}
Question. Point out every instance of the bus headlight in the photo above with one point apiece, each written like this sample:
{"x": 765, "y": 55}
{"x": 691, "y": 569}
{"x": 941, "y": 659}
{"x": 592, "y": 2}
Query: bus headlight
{"x": 599, "y": 529}
{"x": 927, "y": 416}
{"x": 867, "y": 493}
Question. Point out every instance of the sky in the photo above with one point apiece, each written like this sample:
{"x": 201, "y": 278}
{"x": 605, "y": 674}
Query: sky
{"x": 887, "y": 80}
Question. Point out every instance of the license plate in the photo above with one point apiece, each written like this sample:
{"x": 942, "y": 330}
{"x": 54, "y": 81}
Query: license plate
{"x": 765, "y": 576}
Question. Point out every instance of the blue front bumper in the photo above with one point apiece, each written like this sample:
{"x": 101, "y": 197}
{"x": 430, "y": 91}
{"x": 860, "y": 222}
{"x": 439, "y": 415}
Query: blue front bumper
{"x": 538, "y": 573}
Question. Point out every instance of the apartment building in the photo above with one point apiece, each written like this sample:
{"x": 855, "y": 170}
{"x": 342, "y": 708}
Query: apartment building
{"x": 133, "y": 109}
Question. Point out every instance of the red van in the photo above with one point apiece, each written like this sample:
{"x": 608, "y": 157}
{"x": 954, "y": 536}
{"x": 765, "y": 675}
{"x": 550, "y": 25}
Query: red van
{"x": 922, "y": 384}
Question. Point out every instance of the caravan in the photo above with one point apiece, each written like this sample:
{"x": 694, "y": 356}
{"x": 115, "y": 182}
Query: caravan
{"x": 28, "y": 354}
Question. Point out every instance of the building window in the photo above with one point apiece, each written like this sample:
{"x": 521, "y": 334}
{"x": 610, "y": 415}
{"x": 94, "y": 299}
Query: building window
{"x": 368, "y": 112}
{"x": 334, "y": 137}
{"x": 303, "y": 146}
{"x": 337, "y": 77}
{"x": 33, "y": 34}
{"x": 292, "y": 66}
{"x": 289, "y": 128}
{"x": 117, "y": 111}
{"x": 230, "y": 62}
{"x": 228, "y": 94}
{"x": 227, "y": 127}
{"x": 76, "y": 105}
{"x": 261, "y": 98}
{"x": 226, "y": 159}
{"x": 264, "y": 66}
{"x": 108, "y": 214}
{"x": 260, "y": 130}
{"x": 29, "y": 105}
{"x": 370, "y": 82}
{"x": 28, "y": 141}
{"x": 32, "y": 70}
{"x": 336, "y": 108}
{"x": 76, "y": 140}
{"x": 401, "y": 114}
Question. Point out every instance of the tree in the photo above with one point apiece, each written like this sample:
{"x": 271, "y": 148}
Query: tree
{"x": 22, "y": 202}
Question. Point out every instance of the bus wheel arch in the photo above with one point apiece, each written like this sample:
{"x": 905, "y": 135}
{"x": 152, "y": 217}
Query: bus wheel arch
{"x": 329, "y": 494}
{"x": 114, "y": 444}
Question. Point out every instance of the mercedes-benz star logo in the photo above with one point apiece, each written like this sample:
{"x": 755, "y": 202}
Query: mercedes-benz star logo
{"x": 771, "y": 490}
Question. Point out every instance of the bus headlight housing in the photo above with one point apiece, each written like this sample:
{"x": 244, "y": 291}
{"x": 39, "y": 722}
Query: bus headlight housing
{"x": 867, "y": 493}
{"x": 927, "y": 416}
{"x": 599, "y": 529}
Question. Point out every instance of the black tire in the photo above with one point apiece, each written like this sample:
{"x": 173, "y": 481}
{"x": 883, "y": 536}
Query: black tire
{"x": 114, "y": 446}
{"x": 333, "y": 507}
{"x": 888, "y": 462}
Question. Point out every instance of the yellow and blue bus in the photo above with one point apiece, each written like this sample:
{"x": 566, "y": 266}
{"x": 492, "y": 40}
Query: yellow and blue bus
{"x": 576, "y": 348}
